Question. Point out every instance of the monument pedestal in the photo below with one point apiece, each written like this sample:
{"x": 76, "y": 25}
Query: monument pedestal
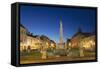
{"x": 61, "y": 45}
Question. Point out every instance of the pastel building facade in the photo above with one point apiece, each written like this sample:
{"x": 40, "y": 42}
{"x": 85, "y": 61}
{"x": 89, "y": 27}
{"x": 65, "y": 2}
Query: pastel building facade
{"x": 29, "y": 41}
{"x": 83, "y": 40}
{"x": 23, "y": 38}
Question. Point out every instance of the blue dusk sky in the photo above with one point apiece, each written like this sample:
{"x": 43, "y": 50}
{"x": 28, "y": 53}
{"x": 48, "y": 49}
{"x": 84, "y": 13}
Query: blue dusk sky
{"x": 46, "y": 20}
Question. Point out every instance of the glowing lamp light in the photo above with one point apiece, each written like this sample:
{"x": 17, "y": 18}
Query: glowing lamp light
{"x": 38, "y": 41}
{"x": 28, "y": 43}
{"x": 52, "y": 44}
{"x": 92, "y": 42}
{"x": 47, "y": 43}
{"x": 69, "y": 44}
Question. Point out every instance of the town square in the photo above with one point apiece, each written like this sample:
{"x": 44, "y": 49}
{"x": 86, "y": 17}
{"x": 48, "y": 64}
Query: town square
{"x": 50, "y": 35}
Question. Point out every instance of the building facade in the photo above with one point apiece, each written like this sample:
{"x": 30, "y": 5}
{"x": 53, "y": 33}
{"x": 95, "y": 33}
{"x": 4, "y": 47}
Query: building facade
{"x": 29, "y": 41}
{"x": 23, "y": 37}
{"x": 89, "y": 43}
{"x": 83, "y": 40}
{"x": 33, "y": 42}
